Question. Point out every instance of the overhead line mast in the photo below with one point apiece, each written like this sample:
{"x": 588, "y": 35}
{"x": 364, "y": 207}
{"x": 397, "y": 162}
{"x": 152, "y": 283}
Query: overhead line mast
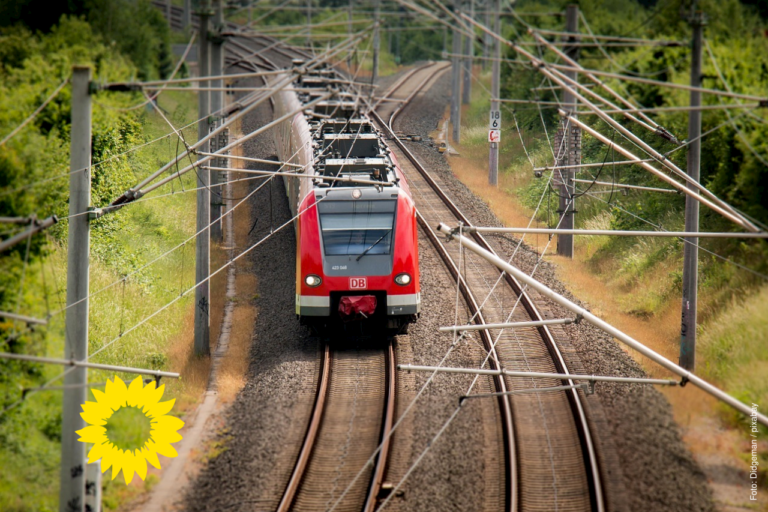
{"x": 456, "y": 79}
{"x": 468, "y": 54}
{"x": 493, "y": 152}
{"x": 202, "y": 245}
{"x": 568, "y": 144}
{"x": 697, "y": 20}
{"x": 216, "y": 105}
{"x": 73, "y": 460}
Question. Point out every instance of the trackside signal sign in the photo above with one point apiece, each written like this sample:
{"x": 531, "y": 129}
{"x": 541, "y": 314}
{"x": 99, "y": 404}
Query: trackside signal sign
{"x": 494, "y": 126}
{"x": 495, "y": 120}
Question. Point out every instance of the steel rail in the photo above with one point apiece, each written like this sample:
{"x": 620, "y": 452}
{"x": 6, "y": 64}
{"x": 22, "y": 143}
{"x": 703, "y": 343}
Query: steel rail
{"x": 399, "y": 82}
{"x": 289, "y": 495}
{"x": 385, "y": 439}
{"x": 505, "y": 405}
{"x": 407, "y": 100}
{"x": 582, "y": 424}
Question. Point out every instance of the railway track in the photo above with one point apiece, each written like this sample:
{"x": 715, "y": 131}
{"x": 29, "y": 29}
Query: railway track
{"x": 551, "y": 462}
{"x": 352, "y": 414}
{"x": 551, "y": 458}
{"x": 354, "y": 405}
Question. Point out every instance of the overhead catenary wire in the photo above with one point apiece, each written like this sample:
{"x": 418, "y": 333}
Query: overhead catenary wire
{"x": 718, "y": 206}
{"x": 166, "y": 82}
{"x": 83, "y": 364}
{"x": 590, "y": 35}
{"x": 34, "y": 114}
{"x": 95, "y": 164}
{"x": 172, "y": 302}
{"x": 714, "y": 202}
{"x": 136, "y": 191}
{"x": 671, "y": 85}
{"x": 728, "y": 88}
{"x": 453, "y": 345}
{"x": 701, "y": 248}
{"x": 686, "y": 375}
{"x": 124, "y": 278}
{"x": 455, "y": 413}
{"x": 646, "y": 122}
{"x": 613, "y": 61}
{"x": 36, "y": 226}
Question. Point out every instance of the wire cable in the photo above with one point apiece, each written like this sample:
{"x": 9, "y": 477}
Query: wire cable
{"x": 35, "y": 113}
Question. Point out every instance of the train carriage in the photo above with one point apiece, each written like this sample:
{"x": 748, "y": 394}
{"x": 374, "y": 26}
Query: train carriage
{"x": 357, "y": 258}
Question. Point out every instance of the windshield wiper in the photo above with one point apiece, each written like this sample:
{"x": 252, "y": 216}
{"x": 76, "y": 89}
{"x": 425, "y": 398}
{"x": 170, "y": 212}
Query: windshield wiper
{"x": 372, "y": 245}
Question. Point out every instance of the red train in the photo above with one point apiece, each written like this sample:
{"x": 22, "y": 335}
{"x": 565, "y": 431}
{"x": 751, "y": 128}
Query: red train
{"x": 357, "y": 261}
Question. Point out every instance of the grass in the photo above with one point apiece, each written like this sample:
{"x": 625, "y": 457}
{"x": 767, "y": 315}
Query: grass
{"x": 30, "y": 436}
{"x": 734, "y": 347}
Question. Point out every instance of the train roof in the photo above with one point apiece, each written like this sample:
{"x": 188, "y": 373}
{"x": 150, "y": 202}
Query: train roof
{"x": 346, "y": 144}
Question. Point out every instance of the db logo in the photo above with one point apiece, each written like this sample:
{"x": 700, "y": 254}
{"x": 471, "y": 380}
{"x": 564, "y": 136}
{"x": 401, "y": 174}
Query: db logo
{"x": 358, "y": 283}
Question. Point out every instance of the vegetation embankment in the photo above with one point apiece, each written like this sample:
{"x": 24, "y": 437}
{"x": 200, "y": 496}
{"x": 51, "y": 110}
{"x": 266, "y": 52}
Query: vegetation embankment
{"x": 122, "y": 41}
{"x": 641, "y": 279}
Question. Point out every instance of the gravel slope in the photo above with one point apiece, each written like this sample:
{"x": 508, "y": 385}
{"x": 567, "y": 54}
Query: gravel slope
{"x": 268, "y": 418}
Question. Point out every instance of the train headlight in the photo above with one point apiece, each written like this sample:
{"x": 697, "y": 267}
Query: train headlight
{"x": 357, "y": 193}
{"x": 313, "y": 280}
{"x": 403, "y": 279}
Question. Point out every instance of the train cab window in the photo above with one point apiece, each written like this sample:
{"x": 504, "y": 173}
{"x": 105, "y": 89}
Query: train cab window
{"x": 349, "y": 228}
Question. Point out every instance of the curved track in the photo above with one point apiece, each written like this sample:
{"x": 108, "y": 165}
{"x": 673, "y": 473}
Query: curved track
{"x": 352, "y": 414}
{"x": 551, "y": 458}
{"x": 550, "y": 455}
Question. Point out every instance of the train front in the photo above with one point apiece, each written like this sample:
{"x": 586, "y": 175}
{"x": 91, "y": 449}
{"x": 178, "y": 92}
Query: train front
{"x": 357, "y": 267}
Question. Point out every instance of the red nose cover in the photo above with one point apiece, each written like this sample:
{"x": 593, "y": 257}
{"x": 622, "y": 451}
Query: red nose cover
{"x": 351, "y": 306}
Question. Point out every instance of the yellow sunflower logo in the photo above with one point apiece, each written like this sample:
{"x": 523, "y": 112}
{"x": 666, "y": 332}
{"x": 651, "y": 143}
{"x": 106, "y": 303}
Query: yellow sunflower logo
{"x": 129, "y": 426}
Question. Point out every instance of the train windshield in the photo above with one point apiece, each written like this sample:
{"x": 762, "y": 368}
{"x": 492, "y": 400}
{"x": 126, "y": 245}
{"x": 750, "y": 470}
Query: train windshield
{"x": 351, "y": 227}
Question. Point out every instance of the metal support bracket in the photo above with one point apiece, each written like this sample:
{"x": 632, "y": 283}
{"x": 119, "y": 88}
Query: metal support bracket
{"x": 94, "y": 213}
{"x": 666, "y": 135}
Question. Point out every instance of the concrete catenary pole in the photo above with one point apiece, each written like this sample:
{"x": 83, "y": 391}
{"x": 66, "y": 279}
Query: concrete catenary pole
{"x": 493, "y": 155}
{"x": 186, "y": 17}
{"x": 309, "y": 23}
{"x": 445, "y": 40}
{"x": 349, "y": 35}
{"x": 217, "y": 103}
{"x": 469, "y": 46}
{"x": 690, "y": 247}
{"x": 568, "y": 145}
{"x": 376, "y": 41}
{"x": 487, "y": 41}
{"x": 456, "y": 78}
{"x": 202, "y": 246}
{"x": 398, "y": 35}
{"x": 73, "y": 461}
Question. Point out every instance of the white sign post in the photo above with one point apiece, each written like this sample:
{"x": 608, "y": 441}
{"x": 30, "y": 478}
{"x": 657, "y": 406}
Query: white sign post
{"x": 494, "y": 137}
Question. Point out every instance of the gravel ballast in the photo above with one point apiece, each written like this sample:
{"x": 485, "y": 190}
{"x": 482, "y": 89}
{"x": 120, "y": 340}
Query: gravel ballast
{"x": 463, "y": 470}
{"x": 656, "y": 471}
{"x": 266, "y": 422}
